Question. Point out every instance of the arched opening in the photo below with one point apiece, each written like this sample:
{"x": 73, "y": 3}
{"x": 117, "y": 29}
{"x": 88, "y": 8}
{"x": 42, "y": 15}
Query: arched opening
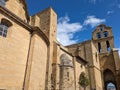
{"x": 105, "y": 34}
{"x": 83, "y": 81}
{"x": 65, "y": 61}
{"x": 98, "y": 35}
{"x": 111, "y": 86}
{"x": 108, "y": 46}
{"x": 99, "y": 47}
{"x": 6, "y": 22}
{"x": 66, "y": 68}
{"x": 109, "y": 80}
{"x": 101, "y": 28}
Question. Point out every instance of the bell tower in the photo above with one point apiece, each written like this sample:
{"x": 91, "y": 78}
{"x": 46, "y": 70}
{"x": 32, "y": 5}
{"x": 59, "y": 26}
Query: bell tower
{"x": 103, "y": 38}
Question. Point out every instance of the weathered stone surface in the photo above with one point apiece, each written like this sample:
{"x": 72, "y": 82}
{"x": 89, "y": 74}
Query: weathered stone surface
{"x": 32, "y": 59}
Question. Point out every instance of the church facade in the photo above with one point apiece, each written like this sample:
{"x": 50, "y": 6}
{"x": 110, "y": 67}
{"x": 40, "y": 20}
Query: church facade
{"x": 32, "y": 59}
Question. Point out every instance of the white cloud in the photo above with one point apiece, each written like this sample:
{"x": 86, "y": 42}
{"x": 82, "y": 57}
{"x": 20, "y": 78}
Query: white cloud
{"x": 119, "y": 51}
{"x": 93, "y": 21}
{"x": 66, "y": 30}
{"x": 109, "y": 12}
{"x": 119, "y": 46}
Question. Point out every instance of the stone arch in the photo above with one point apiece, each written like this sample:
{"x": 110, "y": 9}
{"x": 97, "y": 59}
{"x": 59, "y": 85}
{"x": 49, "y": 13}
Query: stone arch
{"x": 103, "y": 61}
{"x": 107, "y": 63}
{"x": 64, "y": 60}
{"x": 111, "y": 86}
{"x": 66, "y": 73}
{"x": 98, "y": 35}
{"x": 6, "y": 22}
{"x": 109, "y": 78}
{"x": 105, "y": 33}
{"x": 99, "y": 47}
{"x": 105, "y": 56}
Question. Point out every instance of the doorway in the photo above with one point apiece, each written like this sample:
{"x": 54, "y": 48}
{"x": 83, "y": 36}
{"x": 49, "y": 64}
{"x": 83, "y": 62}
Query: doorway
{"x": 111, "y": 86}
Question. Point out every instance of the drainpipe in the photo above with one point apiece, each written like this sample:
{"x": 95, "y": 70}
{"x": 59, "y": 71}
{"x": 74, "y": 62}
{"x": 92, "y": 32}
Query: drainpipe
{"x": 28, "y": 66}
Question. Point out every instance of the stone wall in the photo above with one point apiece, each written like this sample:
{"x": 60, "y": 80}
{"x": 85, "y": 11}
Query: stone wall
{"x": 88, "y": 52}
{"x": 13, "y": 56}
{"x": 67, "y": 78}
{"x": 24, "y": 55}
{"x": 18, "y": 8}
{"x": 79, "y": 68}
{"x": 39, "y": 61}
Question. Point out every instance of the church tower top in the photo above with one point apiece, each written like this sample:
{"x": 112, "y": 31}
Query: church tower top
{"x": 102, "y": 31}
{"x": 102, "y": 36}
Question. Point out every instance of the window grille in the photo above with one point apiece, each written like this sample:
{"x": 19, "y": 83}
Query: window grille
{"x": 3, "y": 30}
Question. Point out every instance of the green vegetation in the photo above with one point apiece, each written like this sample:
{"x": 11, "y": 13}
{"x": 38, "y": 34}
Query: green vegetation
{"x": 83, "y": 80}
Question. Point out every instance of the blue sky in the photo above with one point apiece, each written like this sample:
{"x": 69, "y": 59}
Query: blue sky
{"x": 78, "y": 18}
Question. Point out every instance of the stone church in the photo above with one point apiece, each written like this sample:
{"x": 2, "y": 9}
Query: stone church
{"x": 32, "y": 59}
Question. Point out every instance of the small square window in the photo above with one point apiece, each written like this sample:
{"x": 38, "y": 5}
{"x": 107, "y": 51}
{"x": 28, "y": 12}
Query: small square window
{"x": 3, "y": 30}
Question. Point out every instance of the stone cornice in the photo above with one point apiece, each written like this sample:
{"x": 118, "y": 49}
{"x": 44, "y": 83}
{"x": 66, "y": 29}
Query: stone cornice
{"x": 22, "y": 23}
{"x": 41, "y": 34}
{"x": 14, "y": 17}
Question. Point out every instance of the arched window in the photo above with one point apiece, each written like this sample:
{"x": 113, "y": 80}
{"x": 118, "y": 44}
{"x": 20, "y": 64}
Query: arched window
{"x": 108, "y": 46}
{"x": 4, "y": 25}
{"x": 3, "y": 2}
{"x": 99, "y": 48}
{"x": 101, "y": 28}
{"x": 105, "y": 34}
{"x": 109, "y": 80}
{"x": 98, "y": 35}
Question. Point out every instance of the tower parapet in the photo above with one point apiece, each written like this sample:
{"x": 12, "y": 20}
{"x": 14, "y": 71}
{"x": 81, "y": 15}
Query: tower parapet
{"x": 102, "y": 31}
{"x": 103, "y": 38}
{"x": 46, "y": 21}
